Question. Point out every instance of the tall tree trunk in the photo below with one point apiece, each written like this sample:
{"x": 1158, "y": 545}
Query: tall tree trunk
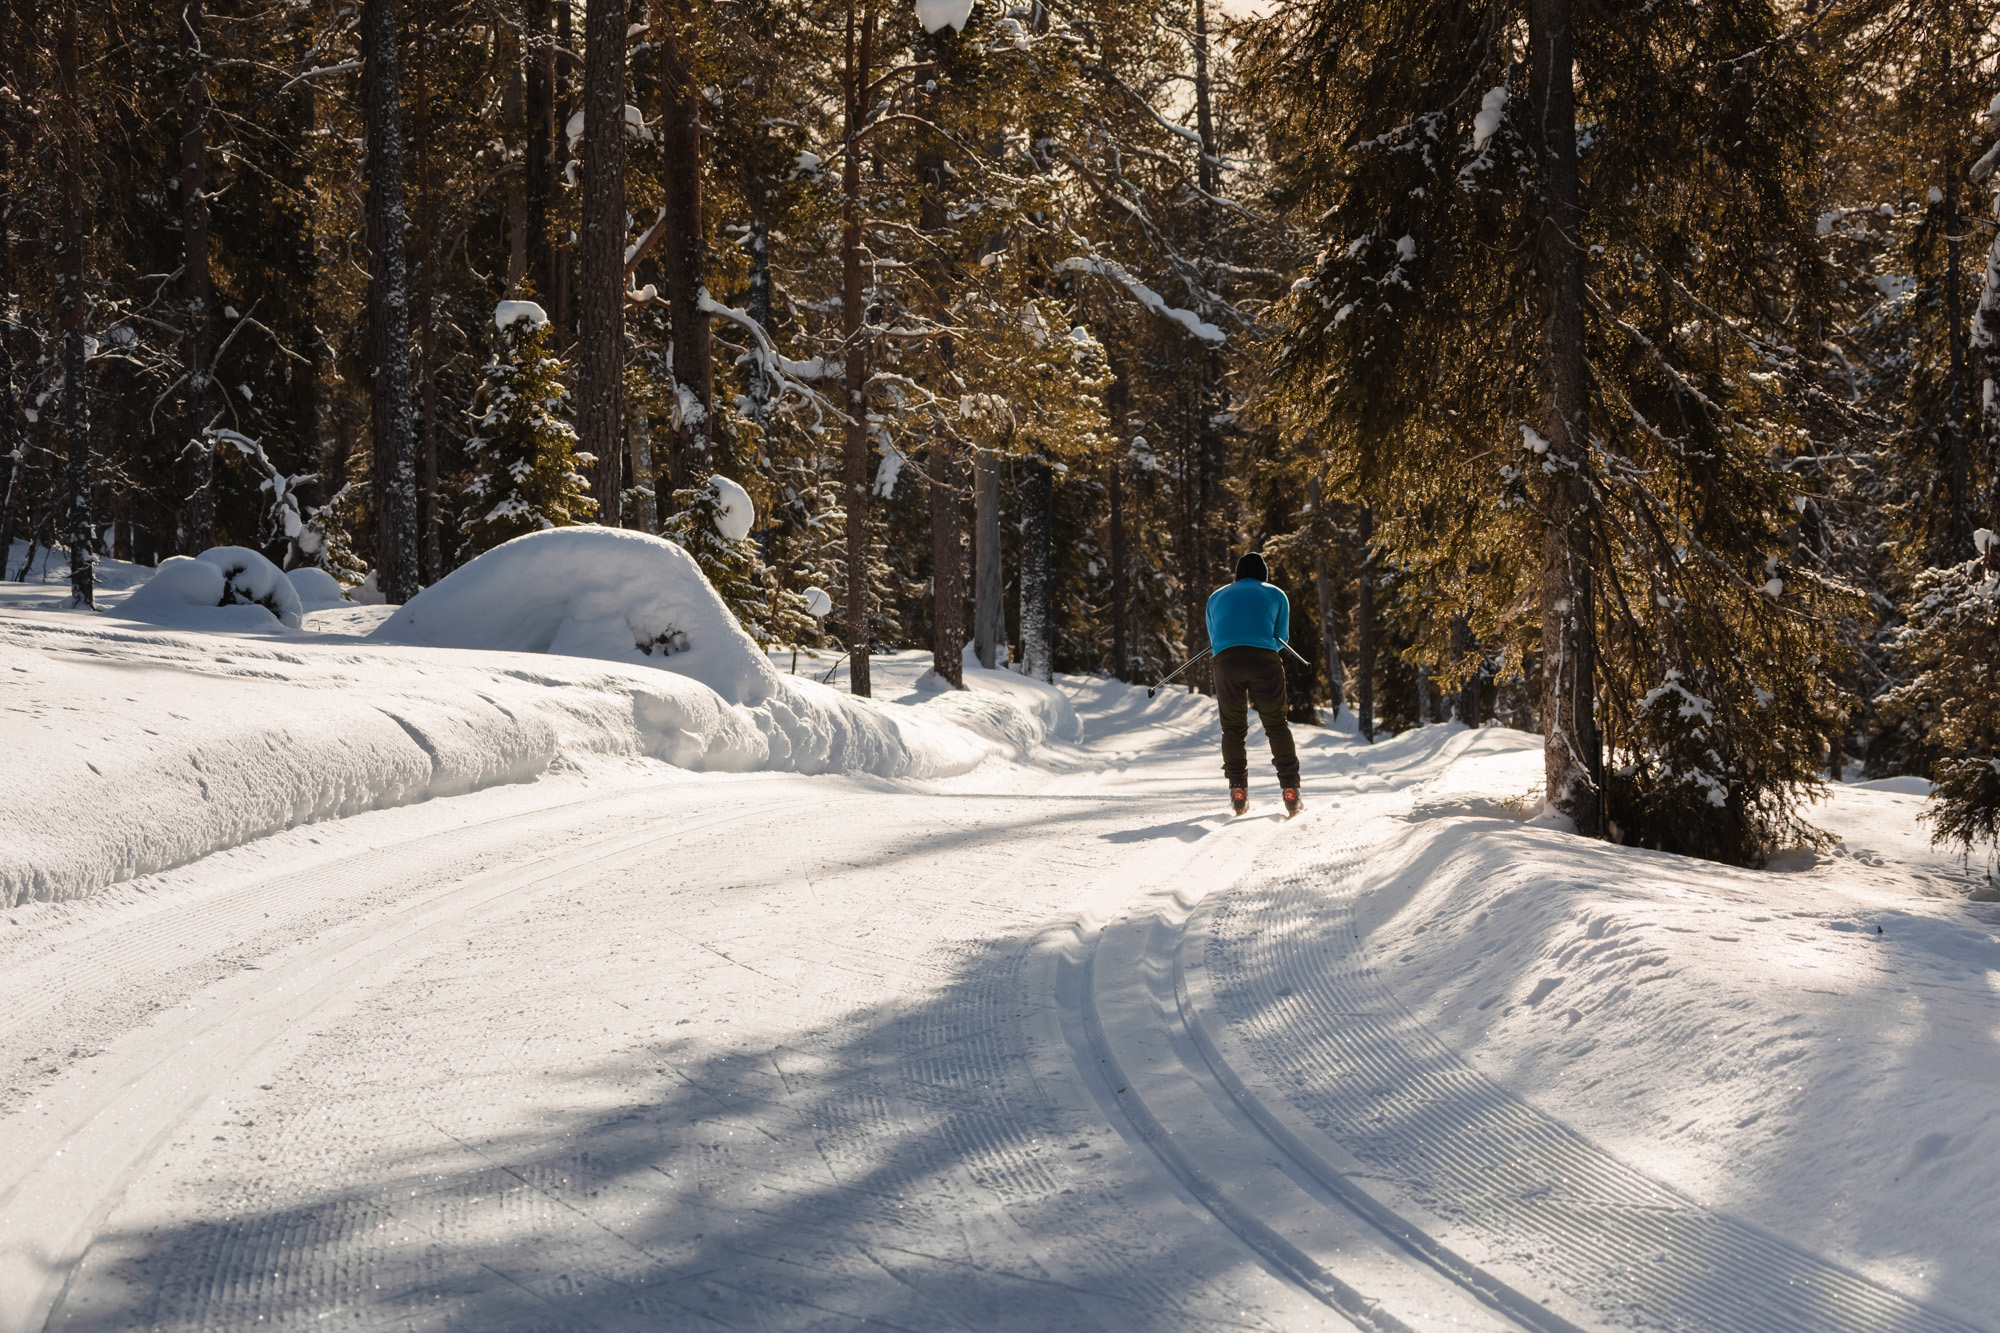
{"x": 1573, "y": 752}
{"x": 562, "y": 268}
{"x": 857, "y": 75}
{"x": 13, "y": 456}
{"x": 1117, "y": 405}
{"x": 80, "y": 539}
{"x": 1953, "y": 536}
{"x": 538, "y": 185}
{"x": 947, "y": 559}
{"x": 514, "y": 111}
{"x": 198, "y": 336}
{"x": 989, "y": 627}
{"x": 1121, "y": 647}
{"x": 947, "y": 566}
{"x": 1204, "y": 104}
{"x": 683, "y": 247}
{"x": 389, "y": 307}
{"x": 1037, "y": 503}
{"x": 759, "y": 309}
{"x": 1323, "y": 587}
{"x": 1985, "y": 350}
{"x": 600, "y": 343}
{"x": 639, "y": 436}
{"x": 1364, "y": 627}
{"x": 1210, "y": 393}
{"x": 431, "y": 511}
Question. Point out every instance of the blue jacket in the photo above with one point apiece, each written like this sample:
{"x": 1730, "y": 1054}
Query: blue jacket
{"x": 1249, "y": 613}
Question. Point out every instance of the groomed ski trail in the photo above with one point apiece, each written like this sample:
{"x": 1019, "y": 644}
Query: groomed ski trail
{"x": 772, "y": 1052}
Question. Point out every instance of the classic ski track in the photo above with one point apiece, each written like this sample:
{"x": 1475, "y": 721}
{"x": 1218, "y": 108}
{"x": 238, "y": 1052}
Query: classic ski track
{"x": 1319, "y": 1052}
{"x": 64, "y": 1174}
{"x": 968, "y": 1152}
{"x": 1157, "y": 1084}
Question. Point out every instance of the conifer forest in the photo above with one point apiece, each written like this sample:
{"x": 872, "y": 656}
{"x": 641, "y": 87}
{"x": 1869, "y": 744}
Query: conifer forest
{"x": 1625, "y": 373}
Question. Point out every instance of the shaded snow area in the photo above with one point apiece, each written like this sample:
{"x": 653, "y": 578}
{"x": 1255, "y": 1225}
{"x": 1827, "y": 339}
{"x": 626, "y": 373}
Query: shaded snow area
{"x": 468, "y": 966}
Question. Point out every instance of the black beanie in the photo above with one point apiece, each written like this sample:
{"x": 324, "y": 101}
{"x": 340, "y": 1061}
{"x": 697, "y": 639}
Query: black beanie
{"x": 1252, "y": 566}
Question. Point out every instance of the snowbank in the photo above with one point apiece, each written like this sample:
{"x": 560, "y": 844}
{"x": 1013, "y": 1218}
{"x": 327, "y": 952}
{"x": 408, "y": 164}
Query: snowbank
{"x": 151, "y": 747}
{"x": 1811, "y": 1048}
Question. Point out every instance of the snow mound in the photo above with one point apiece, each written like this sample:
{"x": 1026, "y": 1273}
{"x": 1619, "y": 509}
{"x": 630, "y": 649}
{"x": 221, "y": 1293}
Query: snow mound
{"x": 606, "y": 593}
{"x": 317, "y": 589}
{"x": 228, "y": 588}
{"x": 937, "y": 15}
{"x": 509, "y": 313}
{"x": 1902, "y": 786}
{"x": 735, "y": 514}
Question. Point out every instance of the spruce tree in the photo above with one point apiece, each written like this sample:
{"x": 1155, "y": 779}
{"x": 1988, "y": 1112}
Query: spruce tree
{"x": 525, "y": 465}
{"x": 1604, "y": 436}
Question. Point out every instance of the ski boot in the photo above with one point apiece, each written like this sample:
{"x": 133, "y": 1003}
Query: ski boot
{"x": 1292, "y": 802}
{"x": 1239, "y": 799}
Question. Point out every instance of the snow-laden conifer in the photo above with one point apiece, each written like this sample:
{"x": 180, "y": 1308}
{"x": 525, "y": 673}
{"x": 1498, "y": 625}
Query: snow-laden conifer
{"x": 524, "y": 459}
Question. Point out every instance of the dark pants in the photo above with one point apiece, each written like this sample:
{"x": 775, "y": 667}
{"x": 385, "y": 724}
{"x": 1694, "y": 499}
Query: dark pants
{"x": 1247, "y": 677}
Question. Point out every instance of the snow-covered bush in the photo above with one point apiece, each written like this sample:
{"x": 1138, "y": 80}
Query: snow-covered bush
{"x": 713, "y": 523}
{"x": 204, "y": 592}
{"x": 1681, "y": 782}
{"x": 524, "y": 460}
{"x": 317, "y": 588}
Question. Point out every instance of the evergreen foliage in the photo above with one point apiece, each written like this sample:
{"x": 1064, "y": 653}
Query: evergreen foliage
{"x": 524, "y": 475}
{"x": 1199, "y": 269}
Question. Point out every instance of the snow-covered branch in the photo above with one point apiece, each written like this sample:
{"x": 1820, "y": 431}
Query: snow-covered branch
{"x": 1144, "y": 295}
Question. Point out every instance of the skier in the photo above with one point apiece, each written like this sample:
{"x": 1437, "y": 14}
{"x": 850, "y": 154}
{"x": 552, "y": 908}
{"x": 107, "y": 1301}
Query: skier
{"x": 1249, "y": 622}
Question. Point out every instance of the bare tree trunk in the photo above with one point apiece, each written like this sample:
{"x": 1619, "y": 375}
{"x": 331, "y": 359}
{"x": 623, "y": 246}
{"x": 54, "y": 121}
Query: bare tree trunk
{"x": 639, "y": 435}
{"x": 860, "y": 53}
{"x": 600, "y": 342}
{"x": 1117, "y": 404}
{"x": 947, "y": 566}
{"x": 389, "y": 306}
{"x": 1121, "y": 647}
{"x": 13, "y": 454}
{"x": 538, "y": 185}
{"x": 432, "y": 565}
{"x": 759, "y": 309}
{"x": 1573, "y": 754}
{"x": 1954, "y": 533}
{"x": 80, "y": 538}
{"x": 198, "y": 336}
{"x": 561, "y": 256}
{"x": 514, "y": 111}
{"x": 1037, "y": 502}
{"x": 1323, "y": 587}
{"x": 1985, "y": 350}
{"x": 684, "y": 250}
{"x": 1364, "y": 628}
{"x": 988, "y": 622}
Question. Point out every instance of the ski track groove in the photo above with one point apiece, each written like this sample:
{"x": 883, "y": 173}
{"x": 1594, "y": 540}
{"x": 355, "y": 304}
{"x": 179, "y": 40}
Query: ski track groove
{"x": 1311, "y": 1021}
{"x": 761, "y": 1185}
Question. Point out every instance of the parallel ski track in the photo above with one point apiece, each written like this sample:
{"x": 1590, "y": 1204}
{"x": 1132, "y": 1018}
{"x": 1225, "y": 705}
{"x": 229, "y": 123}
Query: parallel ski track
{"x": 132, "y": 1106}
{"x": 1313, "y": 1043}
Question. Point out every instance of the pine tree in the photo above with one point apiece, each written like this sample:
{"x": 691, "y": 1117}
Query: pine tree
{"x": 525, "y": 473}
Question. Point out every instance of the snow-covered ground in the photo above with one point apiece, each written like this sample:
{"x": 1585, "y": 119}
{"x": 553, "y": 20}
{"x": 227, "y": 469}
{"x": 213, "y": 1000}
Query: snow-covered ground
{"x": 399, "y": 986}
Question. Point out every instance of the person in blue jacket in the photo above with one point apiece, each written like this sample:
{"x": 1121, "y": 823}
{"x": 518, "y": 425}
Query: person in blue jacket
{"x": 1249, "y": 621}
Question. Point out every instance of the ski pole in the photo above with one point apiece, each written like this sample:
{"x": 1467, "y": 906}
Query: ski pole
{"x": 1294, "y": 652}
{"x": 1154, "y": 689}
